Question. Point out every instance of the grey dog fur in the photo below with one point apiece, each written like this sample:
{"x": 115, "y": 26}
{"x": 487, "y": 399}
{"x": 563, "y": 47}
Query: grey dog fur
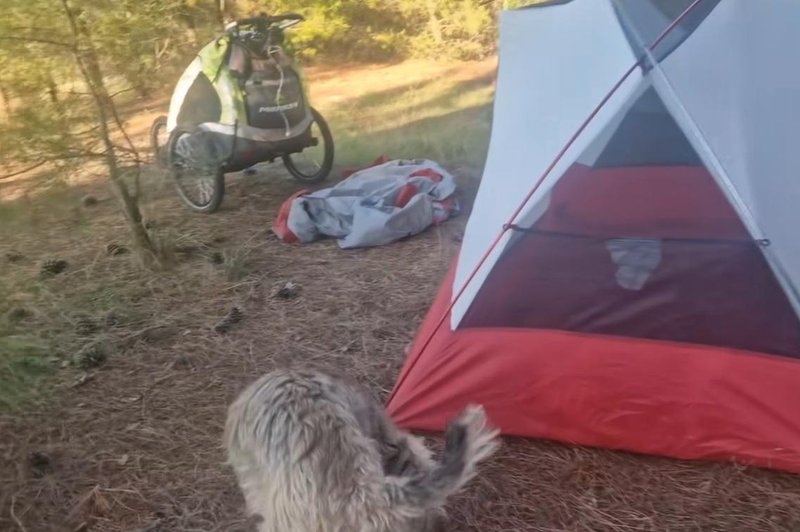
{"x": 316, "y": 453}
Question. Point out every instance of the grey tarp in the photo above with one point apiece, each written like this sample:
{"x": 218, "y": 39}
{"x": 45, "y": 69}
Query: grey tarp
{"x": 374, "y": 206}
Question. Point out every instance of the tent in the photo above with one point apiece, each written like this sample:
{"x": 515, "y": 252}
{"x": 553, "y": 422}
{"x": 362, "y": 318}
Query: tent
{"x": 629, "y": 276}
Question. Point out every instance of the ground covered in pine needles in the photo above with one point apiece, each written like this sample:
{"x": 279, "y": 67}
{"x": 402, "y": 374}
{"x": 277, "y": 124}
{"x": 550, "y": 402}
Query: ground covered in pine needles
{"x": 114, "y": 380}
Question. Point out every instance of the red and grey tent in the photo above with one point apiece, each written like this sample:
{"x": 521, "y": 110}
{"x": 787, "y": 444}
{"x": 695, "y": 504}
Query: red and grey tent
{"x": 629, "y": 273}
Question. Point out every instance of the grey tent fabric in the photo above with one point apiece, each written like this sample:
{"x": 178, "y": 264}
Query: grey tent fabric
{"x": 363, "y": 210}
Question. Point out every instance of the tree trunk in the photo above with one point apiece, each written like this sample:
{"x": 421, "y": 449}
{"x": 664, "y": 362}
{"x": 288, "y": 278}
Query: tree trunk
{"x": 140, "y": 84}
{"x": 190, "y": 28}
{"x": 5, "y": 95}
{"x": 89, "y": 66}
{"x": 52, "y": 91}
{"x": 434, "y": 24}
{"x": 220, "y": 7}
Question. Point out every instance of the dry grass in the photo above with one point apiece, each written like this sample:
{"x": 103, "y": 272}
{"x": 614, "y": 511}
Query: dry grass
{"x": 138, "y": 442}
{"x": 134, "y": 444}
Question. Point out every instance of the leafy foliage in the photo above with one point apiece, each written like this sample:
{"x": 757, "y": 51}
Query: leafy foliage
{"x": 141, "y": 46}
{"x": 77, "y": 42}
{"x": 145, "y": 43}
{"x": 383, "y": 29}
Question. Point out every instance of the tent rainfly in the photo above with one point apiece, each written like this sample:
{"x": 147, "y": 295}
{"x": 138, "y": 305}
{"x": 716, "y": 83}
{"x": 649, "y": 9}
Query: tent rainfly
{"x": 629, "y": 276}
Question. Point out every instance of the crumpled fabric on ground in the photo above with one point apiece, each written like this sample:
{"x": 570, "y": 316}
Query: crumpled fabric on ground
{"x": 374, "y": 206}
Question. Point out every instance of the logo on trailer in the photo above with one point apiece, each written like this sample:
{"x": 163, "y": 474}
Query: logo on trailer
{"x": 279, "y": 108}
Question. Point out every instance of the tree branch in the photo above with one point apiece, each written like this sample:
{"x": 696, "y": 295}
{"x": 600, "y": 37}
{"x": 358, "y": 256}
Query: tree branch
{"x": 24, "y": 170}
{"x": 83, "y": 155}
{"x": 38, "y": 40}
{"x": 121, "y": 91}
{"x": 113, "y": 95}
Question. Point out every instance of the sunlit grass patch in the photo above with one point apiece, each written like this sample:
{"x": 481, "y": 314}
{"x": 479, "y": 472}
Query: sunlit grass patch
{"x": 442, "y": 119}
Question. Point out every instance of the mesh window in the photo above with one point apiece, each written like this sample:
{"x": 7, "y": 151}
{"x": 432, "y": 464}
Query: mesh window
{"x": 638, "y": 240}
{"x": 648, "y": 135}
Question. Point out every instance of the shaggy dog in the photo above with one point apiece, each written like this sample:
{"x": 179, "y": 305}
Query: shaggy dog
{"x": 316, "y": 453}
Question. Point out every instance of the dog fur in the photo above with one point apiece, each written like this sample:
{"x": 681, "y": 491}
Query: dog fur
{"x": 316, "y": 453}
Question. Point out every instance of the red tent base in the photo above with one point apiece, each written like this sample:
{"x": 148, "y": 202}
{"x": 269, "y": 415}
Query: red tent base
{"x": 663, "y": 398}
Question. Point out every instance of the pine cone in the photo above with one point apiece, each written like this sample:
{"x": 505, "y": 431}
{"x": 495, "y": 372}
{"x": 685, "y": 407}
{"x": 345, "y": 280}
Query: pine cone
{"x": 52, "y": 267}
{"x": 112, "y": 319}
{"x": 114, "y": 249}
{"x": 86, "y": 327}
{"x": 89, "y": 357}
{"x": 40, "y": 463}
{"x": 89, "y": 201}
{"x": 288, "y": 291}
{"x": 17, "y": 314}
{"x": 232, "y": 318}
{"x": 14, "y": 256}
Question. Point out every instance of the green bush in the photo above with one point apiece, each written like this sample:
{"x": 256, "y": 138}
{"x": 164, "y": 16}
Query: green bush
{"x": 143, "y": 45}
{"x": 386, "y": 29}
